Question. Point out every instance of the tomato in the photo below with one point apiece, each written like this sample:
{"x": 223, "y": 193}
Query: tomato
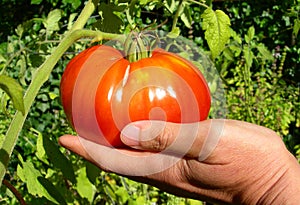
{"x": 101, "y": 92}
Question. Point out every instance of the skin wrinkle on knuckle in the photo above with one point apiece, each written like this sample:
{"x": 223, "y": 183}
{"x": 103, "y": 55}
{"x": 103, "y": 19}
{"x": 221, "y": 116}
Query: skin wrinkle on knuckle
{"x": 161, "y": 142}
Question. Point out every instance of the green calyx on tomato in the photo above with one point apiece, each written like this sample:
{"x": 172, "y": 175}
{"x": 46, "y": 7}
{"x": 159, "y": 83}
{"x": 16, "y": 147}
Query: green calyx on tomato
{"x": 138, "y": 45}
{"x": 102, "y": 92}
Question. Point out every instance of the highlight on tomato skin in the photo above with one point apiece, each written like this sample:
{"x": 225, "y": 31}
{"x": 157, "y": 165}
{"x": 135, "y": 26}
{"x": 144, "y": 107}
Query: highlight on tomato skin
{"x": 102, "y": 91}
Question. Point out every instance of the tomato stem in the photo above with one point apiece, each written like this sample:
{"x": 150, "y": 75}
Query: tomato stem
{"x": 199, "y": 3}
{"x": 139, "y": 45}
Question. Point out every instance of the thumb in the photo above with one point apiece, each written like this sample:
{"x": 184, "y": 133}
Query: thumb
{"x": 195, "y": 140}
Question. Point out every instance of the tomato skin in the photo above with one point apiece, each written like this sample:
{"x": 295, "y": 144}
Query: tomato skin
{"x": 68, "y": 80}
{"x": 161, "y": 87}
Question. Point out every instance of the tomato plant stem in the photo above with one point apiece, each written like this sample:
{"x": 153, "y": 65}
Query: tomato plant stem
{"x": 247, "y": 80}
{"x": 198, "y": 3}
{"x": 14, "y": 191}
{"x": 84, "y": 15}
{"x": 40, "y": 76}
{"x": 175, "y": 19}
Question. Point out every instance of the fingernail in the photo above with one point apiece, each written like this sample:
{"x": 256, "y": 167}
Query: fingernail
{"x": 130, "y": 136}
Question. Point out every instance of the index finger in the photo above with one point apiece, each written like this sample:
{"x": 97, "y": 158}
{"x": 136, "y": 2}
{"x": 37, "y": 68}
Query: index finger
{"x": 126, "y": 162}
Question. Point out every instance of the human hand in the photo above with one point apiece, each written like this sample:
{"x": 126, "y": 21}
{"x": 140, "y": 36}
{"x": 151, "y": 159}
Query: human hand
{"x": 222, "y": 161}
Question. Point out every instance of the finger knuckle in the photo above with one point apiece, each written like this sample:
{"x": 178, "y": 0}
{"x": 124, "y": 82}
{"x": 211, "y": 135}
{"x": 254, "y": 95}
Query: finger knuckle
{"x": 162, "y": 141}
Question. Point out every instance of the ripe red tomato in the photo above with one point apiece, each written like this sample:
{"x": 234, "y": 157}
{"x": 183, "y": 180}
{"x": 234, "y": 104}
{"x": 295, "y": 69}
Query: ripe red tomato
{"x": 101, "y": 92}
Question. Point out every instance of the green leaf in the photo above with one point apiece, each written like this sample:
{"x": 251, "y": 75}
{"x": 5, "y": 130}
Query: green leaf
{"x": 37, "y": 2}
{"x": 110, "y": 22}
{"x": 170, "y": 5}
{"x": 22, "y": 28}
{"x": 235, "y": 36}
{"x": 250, "y": 34}
{"x": 2, "y": 59}
{"x": 75, "y": 3}
{"x": 132, "y": 7}
{"x": 36, "y": 60}
{"x": 263, "y": 50}
{"x": 21, "y": 64}
{"x": 174, "y": 33}
{"x": 29, "y": 174}
{"x": 52, "y": 20}
{"x": 122, "y": 194}
{"x": 53, "y": 95}
{"x": 14, "y": 91}
{"x": 296, "y": 27}
{"x": 58, "y": 159}
{"x": 21, "y": 173}
{"x": 217, "y": 30}
{"x": 84, "y": 187}
{"x": 248, "y": 56}
{"x": 40, "y": 151}
{"x": 186, "y": 17}
{"x": 52, "y": 191}
{"x": 143, "y": 2}
{"x": 92, "y": 172}
{"x": 228, "y": 54}
{"x": 141, "y": 200}
{"x": 10, "y": 47}
{"x": 236, "y": 50}
{"x": 19, "y": 30}
{"x": 71, "y": 19}
{"x": 194, "y": 202}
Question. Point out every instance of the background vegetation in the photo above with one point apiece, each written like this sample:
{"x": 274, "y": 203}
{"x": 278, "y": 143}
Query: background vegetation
{"x": 259, "y": 67}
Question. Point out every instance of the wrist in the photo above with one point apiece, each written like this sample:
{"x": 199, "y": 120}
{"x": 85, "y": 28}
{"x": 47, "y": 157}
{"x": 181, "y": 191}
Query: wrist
{"x": 276, "y": 182}
{"x": 285, "y": 188}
